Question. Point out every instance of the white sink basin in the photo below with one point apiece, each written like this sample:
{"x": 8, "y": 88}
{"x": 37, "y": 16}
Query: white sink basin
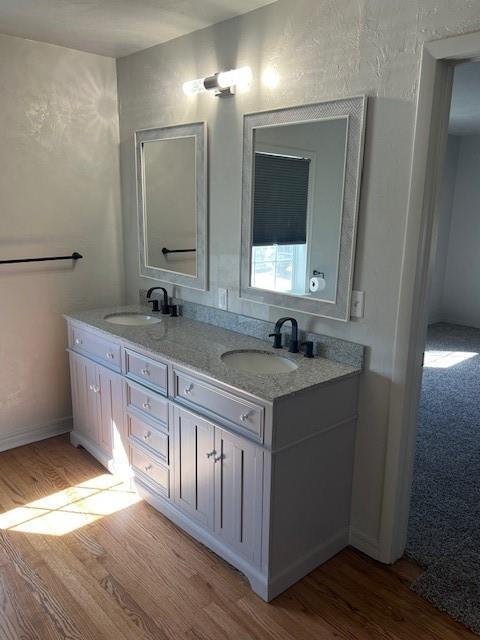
{"x": 131, "y": 319}
{"x": 258, "y": 362}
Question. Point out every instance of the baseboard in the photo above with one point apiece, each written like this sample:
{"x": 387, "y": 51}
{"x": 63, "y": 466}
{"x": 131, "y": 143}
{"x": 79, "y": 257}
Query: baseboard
{"x": 364, "y": 543}
{"x": 35, "y": 434}
{"x": 167, "y": 508}
{"x": 78, "y": 440}
{"x": 303, "y": 566}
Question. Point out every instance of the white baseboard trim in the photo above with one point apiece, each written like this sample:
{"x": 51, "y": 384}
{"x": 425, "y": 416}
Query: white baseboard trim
{"x": 254, "y": 574}
{"x": 304, "y": 565}
{"x": 20, "y": 438}
{"x": 78, "y": 440}
{"x": 365, "y": 543}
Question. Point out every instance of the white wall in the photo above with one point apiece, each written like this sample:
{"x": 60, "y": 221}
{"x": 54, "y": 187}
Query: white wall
{"x": 461, "y": 289}
{"x": 444, "y": 216}
{"x": 59, "y": 192}
{"x": 322, "y": 50}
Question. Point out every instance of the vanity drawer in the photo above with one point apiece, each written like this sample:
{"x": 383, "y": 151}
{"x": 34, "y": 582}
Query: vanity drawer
{"x": 245, "y": 415}
{"x": 146, "y": 371}
{"x": 92, "y": 345}
{"x": 150, "y": 437}
{"x": 153, "y": 470}
{"x": 147, "y": 402}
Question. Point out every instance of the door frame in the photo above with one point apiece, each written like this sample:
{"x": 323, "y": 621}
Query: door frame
{"x": 429, "y": 150}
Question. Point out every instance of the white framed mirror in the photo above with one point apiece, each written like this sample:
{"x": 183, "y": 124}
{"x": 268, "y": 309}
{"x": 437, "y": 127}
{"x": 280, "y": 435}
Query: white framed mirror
{"x": 172, "y": 203}
{"x": 300, "y": 193}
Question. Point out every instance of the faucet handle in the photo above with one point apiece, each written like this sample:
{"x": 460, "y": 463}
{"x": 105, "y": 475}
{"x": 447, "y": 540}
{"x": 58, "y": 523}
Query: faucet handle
{"x": 293, "y": 346}
{"x": 277, "y": 339}
{"x": 308, "y": 349}
{"x": 154, "y": 304}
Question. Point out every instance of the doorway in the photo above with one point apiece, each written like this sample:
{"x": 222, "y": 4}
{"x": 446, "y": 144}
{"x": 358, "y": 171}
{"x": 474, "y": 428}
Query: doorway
{"x": 443, "y": 530}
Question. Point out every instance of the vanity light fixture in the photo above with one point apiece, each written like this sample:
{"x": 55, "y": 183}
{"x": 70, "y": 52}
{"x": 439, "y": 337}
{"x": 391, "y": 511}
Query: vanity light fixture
{"x": 222, "y": 83}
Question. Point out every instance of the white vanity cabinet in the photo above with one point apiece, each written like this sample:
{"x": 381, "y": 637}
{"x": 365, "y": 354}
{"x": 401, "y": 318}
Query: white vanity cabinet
{"x": 265, "y": 484}
{"x": 97, "y": 411}
{"x": 218, "y": 481}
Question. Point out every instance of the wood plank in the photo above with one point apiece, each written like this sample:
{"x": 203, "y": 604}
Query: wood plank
{"x": 134, "y": 575}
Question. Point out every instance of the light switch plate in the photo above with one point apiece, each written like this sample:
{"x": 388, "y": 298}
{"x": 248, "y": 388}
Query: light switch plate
{"x": 223, "y": 298}
{"x": 357, "y": 307}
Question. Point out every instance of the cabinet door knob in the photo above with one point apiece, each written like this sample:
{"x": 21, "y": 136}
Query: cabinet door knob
{"x": 218, "y": 458}
{"x": 146, "y": 405}
{"x": 210, "y": 453}
{"x": 148, "y": 468}
{"x": 147, "y": 436}
{"x": 110, "y": 355}
{"x": 244, "y": 417}
{"x": 145, "y": 372}
{"x": 78, "y": 341}
{"x": 188, "y": 390}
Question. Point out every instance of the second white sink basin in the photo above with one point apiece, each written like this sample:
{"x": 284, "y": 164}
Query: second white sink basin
{"x": 131, "y": 319}
{"x": 258, "y": 362}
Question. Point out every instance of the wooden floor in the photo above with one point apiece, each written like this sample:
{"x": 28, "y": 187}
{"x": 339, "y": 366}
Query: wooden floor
{"x": 68, "y": 572}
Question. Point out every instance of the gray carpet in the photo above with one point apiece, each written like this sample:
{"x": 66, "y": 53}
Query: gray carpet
{"x": 444, "y": 532}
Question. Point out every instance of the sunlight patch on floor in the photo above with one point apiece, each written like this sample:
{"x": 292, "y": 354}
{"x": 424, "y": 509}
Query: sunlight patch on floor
{"x": 72, "y": 508}
{"x": 446, "y": 359}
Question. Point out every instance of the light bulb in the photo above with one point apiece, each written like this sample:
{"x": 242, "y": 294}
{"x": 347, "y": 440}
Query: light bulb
{"x": 192, "y": 87}
{"x": 240, "y": 78}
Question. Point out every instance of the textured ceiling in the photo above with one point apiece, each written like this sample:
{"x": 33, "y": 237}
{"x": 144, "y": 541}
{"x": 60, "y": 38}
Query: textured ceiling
{"x": 114, "y": 27}
{"x": 465, "y": 109}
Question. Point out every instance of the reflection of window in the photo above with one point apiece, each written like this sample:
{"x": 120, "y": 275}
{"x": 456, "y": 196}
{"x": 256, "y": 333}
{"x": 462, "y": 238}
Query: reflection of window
{"x": 279, "y": 267}
{"x": 280, "y": 202}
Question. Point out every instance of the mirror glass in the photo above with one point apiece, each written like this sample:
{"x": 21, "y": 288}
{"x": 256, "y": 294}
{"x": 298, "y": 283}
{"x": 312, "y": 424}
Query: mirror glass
{"x": 300, "y": 194}
{"x": 298, "y": 178}
{"x": 172, "y": 204}
{"x": 169, "y": 203}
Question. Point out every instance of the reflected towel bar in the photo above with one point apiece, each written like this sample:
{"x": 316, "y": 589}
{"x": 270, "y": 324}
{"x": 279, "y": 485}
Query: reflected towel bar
{"x": 165, "y": 251}
{"x": 75, "y": 256}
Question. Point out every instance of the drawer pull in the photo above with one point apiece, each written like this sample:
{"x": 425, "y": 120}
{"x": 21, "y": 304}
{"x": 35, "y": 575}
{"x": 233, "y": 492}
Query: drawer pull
{"x": 218, "y": 458}
{"x": 148, "y": 467}
{"x": 210, "y": 453}
{"x": 188, "y": 390}
{"x": 78, "y": 341}
{"x": 147, "y": 436}
{"x": 145, "y": 372}
{"x": 244, "y": 417}
{"x": 94, "y": 388}
{"x": 146, "y": 405}
{"x": 110, "y": 356}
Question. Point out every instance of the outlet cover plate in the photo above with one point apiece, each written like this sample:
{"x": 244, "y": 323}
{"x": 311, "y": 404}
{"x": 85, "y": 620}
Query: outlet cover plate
{"x": 223, "y": 298}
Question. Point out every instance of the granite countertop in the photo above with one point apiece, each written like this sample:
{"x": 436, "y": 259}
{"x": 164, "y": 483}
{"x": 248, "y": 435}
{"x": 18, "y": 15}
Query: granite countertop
{"x": 199, "y": 346}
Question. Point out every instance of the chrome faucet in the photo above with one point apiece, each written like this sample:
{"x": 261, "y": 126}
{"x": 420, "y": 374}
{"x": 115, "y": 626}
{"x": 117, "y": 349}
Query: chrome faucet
{"x": 277, "y": 336}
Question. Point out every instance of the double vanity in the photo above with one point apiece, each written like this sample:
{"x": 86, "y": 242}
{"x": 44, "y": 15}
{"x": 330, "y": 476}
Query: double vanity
{"x": 247, "y": 448}
{"x": 246, "y": 445}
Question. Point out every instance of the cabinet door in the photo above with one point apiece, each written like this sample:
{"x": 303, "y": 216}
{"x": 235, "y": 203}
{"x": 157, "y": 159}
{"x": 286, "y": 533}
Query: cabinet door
{"x": 84, "y": 396}
{"x": 238, "y": 493}
{"x": 193, "y": 456}
{"x": 111, "y": 428}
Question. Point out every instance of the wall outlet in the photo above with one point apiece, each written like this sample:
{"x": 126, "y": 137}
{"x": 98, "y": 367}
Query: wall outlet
{"x": 223, "y": 298}
{"x": 357, "y": 307}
